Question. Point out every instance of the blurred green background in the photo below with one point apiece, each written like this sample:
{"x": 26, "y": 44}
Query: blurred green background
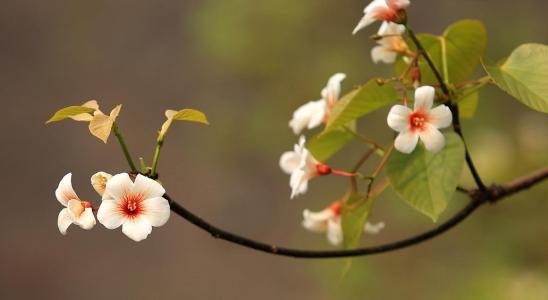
{"x": 248, "y": 65}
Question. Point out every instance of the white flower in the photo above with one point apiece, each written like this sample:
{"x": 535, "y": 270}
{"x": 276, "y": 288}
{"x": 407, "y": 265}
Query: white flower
{"x": 390, "y": 46}
{"x": 76, "y": 211}
{"x": 423, "y": 122}
{"x": 380, "y": 10}
{"x": 313, "y": 113}
{"x": 302, "y": 167}
{"x": 136, "y": 206}
{"x": 329, "y": 221}
{"x": 99, "y": 182}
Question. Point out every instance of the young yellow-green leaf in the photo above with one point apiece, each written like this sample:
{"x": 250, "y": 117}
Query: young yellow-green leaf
{"x": 524, "y": 75}
{"x": 190, "y": 115}
{"x": 354, "y": 216}
{"x": 323, "y": 146}
{"x": 360, "y": 102}
{"x": 459, "y": 49}
{"x": 68, "y": 112}
{"x": 468, "y": 105}
{"x": 101, "y": 124}
{"x": 427, "y": 181}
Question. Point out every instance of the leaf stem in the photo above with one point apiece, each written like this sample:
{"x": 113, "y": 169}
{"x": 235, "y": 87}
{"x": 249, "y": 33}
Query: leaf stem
{"x": 122, "y": 142}
{"x": 159, "y": 145}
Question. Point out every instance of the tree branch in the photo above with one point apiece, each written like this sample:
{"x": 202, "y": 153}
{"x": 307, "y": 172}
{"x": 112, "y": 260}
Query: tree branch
{"x": 478, "y": 197}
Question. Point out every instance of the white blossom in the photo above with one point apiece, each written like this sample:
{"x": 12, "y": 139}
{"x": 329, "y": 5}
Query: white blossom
{"x": 422, "y": 122}
{"x": 314, "y": 113}
{"x": 329, "y": 221}
{"x": 136, "y": 206}
{"x": 302, "y": 167}
{"x": 76, "y": 211}
{"x": 99, "y": 182}
{"x": 380, "y": 10}
{"x": 390, "y": 45}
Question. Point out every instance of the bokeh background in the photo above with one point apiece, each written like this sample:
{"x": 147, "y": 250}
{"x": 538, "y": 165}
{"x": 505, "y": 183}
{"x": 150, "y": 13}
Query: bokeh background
{"x": 247, "y": 64}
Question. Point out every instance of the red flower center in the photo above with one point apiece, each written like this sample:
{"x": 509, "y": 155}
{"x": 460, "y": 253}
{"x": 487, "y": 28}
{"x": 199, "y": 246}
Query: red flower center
{"x": 132, "y": 205}
{"x": 417, "y": 120}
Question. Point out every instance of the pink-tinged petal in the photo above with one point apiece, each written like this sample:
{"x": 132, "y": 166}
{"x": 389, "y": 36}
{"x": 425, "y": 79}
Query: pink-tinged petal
{"x": 156, "y": 210}
{"x": 110, "y": 214}
{"x": 289, "y": 161}
{"x": 333, "y": 88}
{"x": 316, "y": 221}
{"x": 432, "y": 138}
{"x": 99, "y": 182}
{"x": 137, "y": 229}
{"x": 75, "y": 209}
{"x": 374, "y": 4}
{"x": 424, "y": 98}
{"x": 119, "y": 185}
{"x": 398, "y": 4}
{"x": 334, "y": 232}
{"x": 398, "y": 118}
{"x": 147, "y": 188}
{"x": 64, "y": 192}
{"x": 406, "y": 142}
{"x": 441, "y": 117}
{"x": 383, "y": 54}
{"x": 63, "y": 221}
{"x": 87, "y": 219}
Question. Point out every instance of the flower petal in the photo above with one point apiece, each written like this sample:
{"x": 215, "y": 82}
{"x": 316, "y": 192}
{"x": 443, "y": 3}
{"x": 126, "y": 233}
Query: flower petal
{"x": 156, "y": 210}
{"x": 64, "y": 192}
{"x": 99, "y": 182}
{"x": 75, "y": 209}
{"x": 373, "y": 228}
{"x": 289, "y": 161}
{"x": 424, "y": 98}
{"x": 316, "y": 221}
{"x": 441, "y": 117}
{"x": 147, "y": 188}
{"x": 87, "y": 219}
{"x": 398, "y": 4}
{"x": 383, "y": 54}
{"x": 432, "y": 138}
{"x": 406, "y": 141}
{"x": 110, "y": 215}
{"x": 298, "y": 183}
{"x": 398, "y": 118}
{"x": 333, "y": 88}
{"x": 307, "y": 116}
{"x": 63, "y": 221}
{"x": 137, "y": 229}
{"x": 118, "y": 186}
{"x": 334, "y": 232}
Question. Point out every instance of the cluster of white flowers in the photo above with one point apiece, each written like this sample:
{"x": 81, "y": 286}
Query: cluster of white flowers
{"x": 136, "y": 206}
{"x": 423, "y": 122}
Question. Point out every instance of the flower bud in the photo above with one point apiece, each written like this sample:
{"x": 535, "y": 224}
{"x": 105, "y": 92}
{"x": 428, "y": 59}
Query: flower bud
{"x": 400, "y": 17}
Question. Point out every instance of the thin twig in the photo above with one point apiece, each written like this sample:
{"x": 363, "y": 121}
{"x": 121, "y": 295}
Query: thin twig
{"x": 477, "y": 198}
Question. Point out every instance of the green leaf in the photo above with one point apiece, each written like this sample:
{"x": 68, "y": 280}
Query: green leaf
{"x": 428, "y": 181}
{"x": 323, "y": 146}
{"x": 465, "y": 43}
{"x": 68, "y": 112}
{"x": 360, "y": 102}
{"x": 455, "y": 54}
{"x": 354, "y": 216}
{"x": 468, "y": 105}
{"x": 524, "y": 75}
{"x": 190, "y": 115}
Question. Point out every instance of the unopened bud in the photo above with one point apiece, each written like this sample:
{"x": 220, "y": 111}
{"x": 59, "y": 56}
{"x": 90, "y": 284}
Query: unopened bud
{"x": 380, "y": 81}
{"x": 400, "y": 17}
{"x": 416, "y": 77}
{"x": 323, "y": 169}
